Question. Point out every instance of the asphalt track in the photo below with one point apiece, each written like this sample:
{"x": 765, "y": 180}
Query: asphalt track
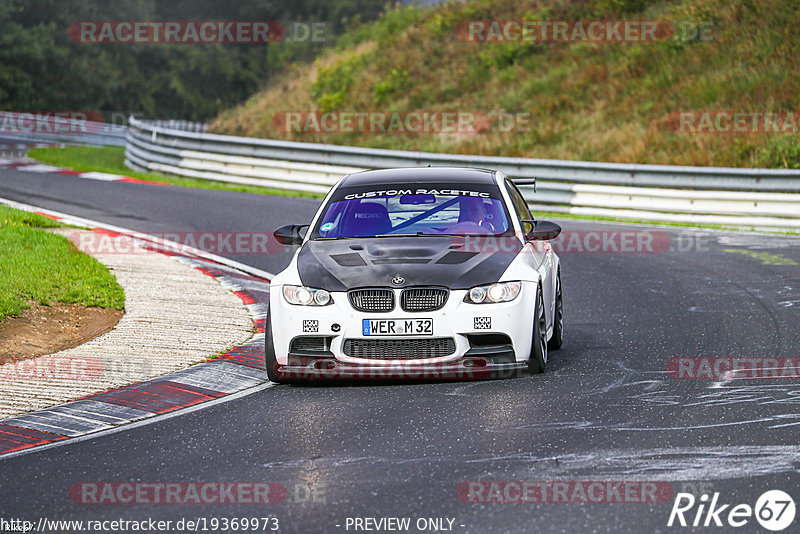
{"x": 606, "y": 409}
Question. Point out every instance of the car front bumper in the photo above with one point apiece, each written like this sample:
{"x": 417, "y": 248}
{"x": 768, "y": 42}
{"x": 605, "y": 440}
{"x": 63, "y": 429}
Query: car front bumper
{"x": 490, "y": 339}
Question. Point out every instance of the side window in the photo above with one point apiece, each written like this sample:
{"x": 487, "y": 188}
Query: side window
{"x": 520, "y": 206}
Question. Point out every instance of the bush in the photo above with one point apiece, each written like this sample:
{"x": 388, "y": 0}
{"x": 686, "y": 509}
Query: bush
{"x": 395, "y": 81}
{"x": 783, "y": 153}
{"x": 620, "y": 7}
{"x": 333, "y": 84}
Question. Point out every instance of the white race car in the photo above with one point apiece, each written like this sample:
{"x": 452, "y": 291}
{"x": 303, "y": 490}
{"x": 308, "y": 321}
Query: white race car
{"x": 416, "y": 273}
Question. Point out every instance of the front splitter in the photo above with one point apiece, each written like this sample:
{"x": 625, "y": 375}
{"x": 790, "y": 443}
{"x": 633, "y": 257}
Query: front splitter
{"x": 463, "y": 369}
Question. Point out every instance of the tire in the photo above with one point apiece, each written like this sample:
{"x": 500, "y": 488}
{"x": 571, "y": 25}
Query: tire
{"x": 538, "y": 357}
{"x": 269, "y": 355}
{"x": 557, "y": 339}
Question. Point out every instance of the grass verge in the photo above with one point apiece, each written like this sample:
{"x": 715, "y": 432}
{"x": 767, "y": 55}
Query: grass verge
{"x": 111, "y": 159}
{"x": 42, "y": 267}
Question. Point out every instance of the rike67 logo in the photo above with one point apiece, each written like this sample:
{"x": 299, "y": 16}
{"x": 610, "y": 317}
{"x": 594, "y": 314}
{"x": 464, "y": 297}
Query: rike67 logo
{"x": 774, "y": 510}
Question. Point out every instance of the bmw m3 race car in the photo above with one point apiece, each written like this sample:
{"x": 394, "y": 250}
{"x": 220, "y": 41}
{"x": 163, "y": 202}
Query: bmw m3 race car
{"x": 416, "y": 273}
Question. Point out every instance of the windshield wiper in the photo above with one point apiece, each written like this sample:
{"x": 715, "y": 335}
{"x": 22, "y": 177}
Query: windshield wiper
{"x": 397, "y": 235}
{"x": 473, "y": 235}
{"x": 418, "y": 234}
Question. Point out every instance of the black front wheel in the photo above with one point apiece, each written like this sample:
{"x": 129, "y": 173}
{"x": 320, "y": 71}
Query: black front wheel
{"x": 538, "y": 357}
{"x": 558, "y": 319}
{"x": 269, "y": 355}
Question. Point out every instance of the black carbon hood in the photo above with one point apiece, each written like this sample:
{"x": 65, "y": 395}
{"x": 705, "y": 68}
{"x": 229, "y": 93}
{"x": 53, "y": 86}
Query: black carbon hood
{"x": 456, "y": 263}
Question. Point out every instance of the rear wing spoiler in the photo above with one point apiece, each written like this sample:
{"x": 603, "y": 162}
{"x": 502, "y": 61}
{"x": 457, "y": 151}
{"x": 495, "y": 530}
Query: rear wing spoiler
{"x": 525, "y": 181}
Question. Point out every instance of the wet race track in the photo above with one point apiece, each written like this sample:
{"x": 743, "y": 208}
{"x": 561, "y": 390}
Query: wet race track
{"x": 637, "y": 396}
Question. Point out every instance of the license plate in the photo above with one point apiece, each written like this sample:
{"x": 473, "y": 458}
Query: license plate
{"x": 397, "y": 327}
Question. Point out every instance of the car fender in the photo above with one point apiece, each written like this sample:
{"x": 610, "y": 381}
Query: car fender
{"x": 537, "y": 264}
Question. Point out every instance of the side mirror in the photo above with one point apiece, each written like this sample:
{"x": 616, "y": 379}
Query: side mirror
{"x": 543, "y": 230}
{"x": 289, "y": 234}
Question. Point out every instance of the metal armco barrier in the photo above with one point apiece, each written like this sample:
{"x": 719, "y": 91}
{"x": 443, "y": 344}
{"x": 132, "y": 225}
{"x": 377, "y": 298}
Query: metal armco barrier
{"x": 768, "y": 198}
{"x": 52, "y": 129}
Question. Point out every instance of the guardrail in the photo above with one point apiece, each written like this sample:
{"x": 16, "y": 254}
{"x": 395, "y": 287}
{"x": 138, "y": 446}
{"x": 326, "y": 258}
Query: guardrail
{"x": 767, "y": 198}
{"x": 42, "y": 128}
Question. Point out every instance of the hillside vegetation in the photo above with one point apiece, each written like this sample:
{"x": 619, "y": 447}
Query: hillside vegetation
{"x": 595, "y": 101}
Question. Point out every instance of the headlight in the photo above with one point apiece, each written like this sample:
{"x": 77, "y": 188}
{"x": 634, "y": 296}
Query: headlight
{"x": 499, "y": 292}
{"x": 306, "y": 296}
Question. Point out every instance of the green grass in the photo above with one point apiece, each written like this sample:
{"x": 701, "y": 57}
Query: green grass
{"x": 38, "y": 266}
{"x": 11, "y": 218}
{"x": 112, "y": 161}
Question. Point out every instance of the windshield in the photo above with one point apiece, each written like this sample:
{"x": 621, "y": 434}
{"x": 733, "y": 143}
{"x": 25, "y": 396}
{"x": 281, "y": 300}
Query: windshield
{"x": 413, "y": 212}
